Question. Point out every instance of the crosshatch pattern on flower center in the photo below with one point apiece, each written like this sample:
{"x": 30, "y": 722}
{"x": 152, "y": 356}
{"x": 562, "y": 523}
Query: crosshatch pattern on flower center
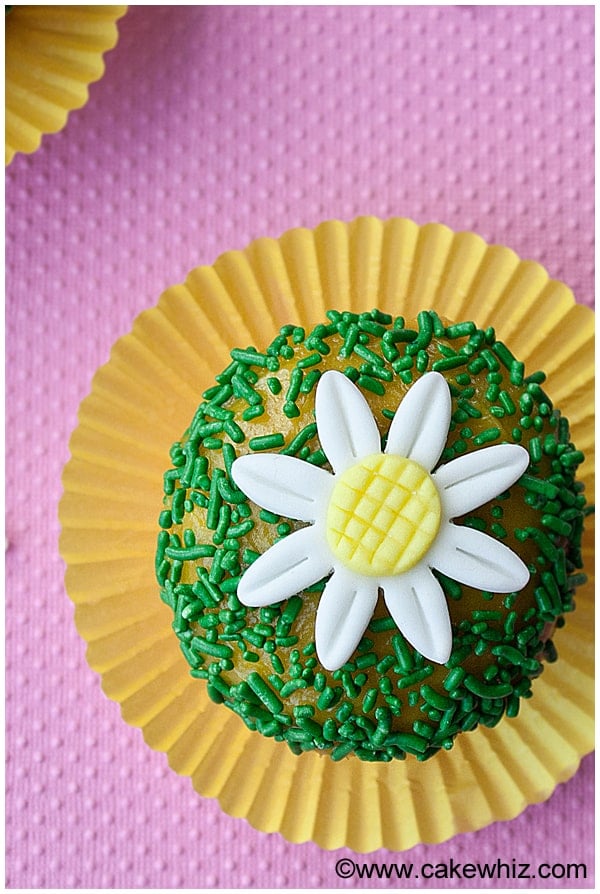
{"x": 383, "y": 515}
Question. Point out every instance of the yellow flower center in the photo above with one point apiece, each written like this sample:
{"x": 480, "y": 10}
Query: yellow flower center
{"x": 383, "y": 515}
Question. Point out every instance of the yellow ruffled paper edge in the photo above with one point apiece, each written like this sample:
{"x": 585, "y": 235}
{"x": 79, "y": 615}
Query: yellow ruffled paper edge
{"x": 144, "y": 398}
{"x": 52, "y": 55}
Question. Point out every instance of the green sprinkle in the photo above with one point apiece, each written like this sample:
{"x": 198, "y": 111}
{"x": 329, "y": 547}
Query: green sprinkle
{"x": 249, "y": 414}
{"x": 369, "y": 700}
{"x": 243, "y": 389}
{"x": 218, "y": 394}
{"x": 293, "y": 391}
{"x": 395, "y": 703}
{"x": 507, "y": 403}
{"x": 350, "y": 688}
{"x": 310, "y": 380}
{"x": 557, "y": 525}
{"x": 385, "y": 685}
{"x": 422, "y": 361}
{"x": 165, "y": 519}
{"x": 212, "y": 443}
{"x": 378, "y": 625}
{"x": 572, "y": 458}
{"x": 486, "y": 436}
{"x": 544, "y": 543}
{"x": 371, "y": 384}
{"x": 490, "y": 360}
{"x": 436, "y": 699}
{"x": 216, "y": 570}
{"x": 192, "y": 553}
{"x": 489, "y": 690}
{"x": 504, "y": 355}
{"x": 274, "y": 385}
{"x": 253, "y": 358}
{"x": 350, "y": 341}
{"x": 199, "y": 470}
{"x": 403, "y": 653}
{"x": 517, "y": 371}
{"x": 425, "y": 324}
{"x": 214, "y": 501}
{"x": 344, "y": 712}
{"x": 310, "y": 726}
{"x": 177, "y": 508}
{"x": 458, "y": 656}
{"x": 461, "y": 330}
{"x": 265, "y": 693}
{"x": 241, "y": 529}
{"x": 340, "y": 751}
{"x": 370, "y": 356}
{"x": 449, "y": 363}
{"x": 415, "y": 677}
{"x": 538, "y": 486}
{"x": 267, "y": 442}
{"x": 423, "y": 729}
{"x": 454, "y": 679}
{"x": 400, "y": 334}
{"x": 402, "y": 364}
{"x": 468, "y": 409}
{"x": 535, "y": 449}
{"x": 389, "y": 351}
{"x": 210, "y": 428}
{"x": 476, "y": 365}
{"x": 291, "y": 610}
{"x": 366, "y": 323}
{"x": 216, "y": 650}
{"x": 326, "y": 698}
{"x": 409, "y": 742}
{"x": 222, "y": 524}
{"x": 310, "y": 360}
{"x": 290, "y": 409}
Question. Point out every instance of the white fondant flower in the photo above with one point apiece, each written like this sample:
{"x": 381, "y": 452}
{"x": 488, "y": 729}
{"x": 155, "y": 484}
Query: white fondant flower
{"x": 380, "y": 520}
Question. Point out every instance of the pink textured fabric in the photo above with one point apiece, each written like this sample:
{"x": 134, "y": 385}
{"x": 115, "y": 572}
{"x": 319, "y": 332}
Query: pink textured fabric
{"x": 212, "y": 126}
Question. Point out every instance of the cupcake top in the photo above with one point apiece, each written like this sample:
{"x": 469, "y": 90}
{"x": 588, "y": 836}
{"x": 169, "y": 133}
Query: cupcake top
{"x": 443, "y": 596}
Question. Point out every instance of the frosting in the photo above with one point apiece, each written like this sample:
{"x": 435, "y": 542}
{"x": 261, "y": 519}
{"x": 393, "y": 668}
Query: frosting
{"x": 388, "y": 701}
{"x": 384, "y": 522}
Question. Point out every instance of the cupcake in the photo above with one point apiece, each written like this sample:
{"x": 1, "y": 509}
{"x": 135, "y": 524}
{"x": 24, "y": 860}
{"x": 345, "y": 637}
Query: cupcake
{"x": 203, "y": 713}
{"x": 370, "y": 532}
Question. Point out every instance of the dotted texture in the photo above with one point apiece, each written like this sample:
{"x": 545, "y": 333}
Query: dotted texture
{"x": 210, "y": 127}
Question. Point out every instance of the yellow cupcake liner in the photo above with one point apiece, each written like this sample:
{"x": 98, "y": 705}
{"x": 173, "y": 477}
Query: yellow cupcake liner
{"x": 144, "y": 398}
{"x": 52, "y": 55}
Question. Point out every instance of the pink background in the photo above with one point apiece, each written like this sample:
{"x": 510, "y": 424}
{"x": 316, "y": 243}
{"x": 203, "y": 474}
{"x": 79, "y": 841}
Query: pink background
{"x": 212, "y": 126}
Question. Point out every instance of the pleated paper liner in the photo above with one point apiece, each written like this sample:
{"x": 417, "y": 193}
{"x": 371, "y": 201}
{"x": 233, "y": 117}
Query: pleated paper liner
{"x": 144, "y": 398}
{"x": 53, "y": 54}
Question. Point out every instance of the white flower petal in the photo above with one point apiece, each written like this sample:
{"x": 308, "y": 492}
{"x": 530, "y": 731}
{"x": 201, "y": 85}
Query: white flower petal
{"x": 472, "y": 558}
{"x": 473, "y": 479}
{"x": 420, "y": 426}
{"x": 347, "y": 430}
{"x": 283, "y": 484}
{"x": 290, "y": 565}
{"x": 417, "y": 604}
{"x": 345, "y": 609}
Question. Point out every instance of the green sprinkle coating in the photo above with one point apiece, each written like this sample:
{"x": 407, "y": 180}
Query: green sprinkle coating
{"x": 387, "y": 702}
